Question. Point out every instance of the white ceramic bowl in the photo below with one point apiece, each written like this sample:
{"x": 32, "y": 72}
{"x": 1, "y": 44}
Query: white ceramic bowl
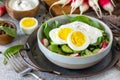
{"x": 74, "y": 62}
{"x": 29, "y": 29}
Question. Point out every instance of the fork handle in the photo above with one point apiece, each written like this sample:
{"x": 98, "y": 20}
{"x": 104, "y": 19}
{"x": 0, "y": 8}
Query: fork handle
{"x": 34, "y": 75}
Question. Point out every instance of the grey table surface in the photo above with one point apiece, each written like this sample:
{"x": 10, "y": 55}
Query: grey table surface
{"x": 6, "y": 73}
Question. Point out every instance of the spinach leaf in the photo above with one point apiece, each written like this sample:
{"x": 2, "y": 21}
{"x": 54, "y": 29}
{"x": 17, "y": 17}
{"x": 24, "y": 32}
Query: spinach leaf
{"x": 14, "y": 50}
{"x": 81, "y": 18}
{"x": 87, "y": 21}
{"x": 56, "y": 24}
{"x": 99, "y": 40}
{"x": 46, "y": 30}
{"x": 10, "y": 31}
{"x": 96, "y": 24}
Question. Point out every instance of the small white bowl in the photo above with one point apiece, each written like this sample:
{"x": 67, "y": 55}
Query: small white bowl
{"x": 29, "y": 28}
{"x": 69, "y": 61}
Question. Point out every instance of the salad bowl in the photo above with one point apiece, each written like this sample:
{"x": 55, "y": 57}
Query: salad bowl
{"x": 68, "y": 61}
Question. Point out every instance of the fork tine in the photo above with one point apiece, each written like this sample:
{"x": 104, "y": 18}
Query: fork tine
{"x": 19, "y": 67}
{"x": 11, "y": 63}
{"x": 18, "y": 62}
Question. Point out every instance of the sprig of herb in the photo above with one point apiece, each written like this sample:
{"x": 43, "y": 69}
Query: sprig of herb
{"x": 10, "y": 31}
{"x": 13, "y": 49}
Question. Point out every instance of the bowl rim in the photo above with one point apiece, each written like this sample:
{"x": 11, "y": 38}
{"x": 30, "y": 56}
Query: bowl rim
{"x": 9, "y": 22}
{"x": 7, "y": 5}
{"x": 101, "y": 22}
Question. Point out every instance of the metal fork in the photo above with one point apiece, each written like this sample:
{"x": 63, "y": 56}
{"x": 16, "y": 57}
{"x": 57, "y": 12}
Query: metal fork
{"x": 20, "y": 67}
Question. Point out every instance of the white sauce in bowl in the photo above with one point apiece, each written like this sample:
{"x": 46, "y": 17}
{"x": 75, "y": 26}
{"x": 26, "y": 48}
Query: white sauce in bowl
{"x": 23, "y": 5}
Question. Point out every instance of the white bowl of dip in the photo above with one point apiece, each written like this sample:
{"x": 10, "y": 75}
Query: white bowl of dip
{"x": 18, "y": 9}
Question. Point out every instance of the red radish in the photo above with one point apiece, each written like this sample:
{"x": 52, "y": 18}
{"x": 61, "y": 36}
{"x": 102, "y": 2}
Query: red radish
{"x": 94, "y": 4}
{"x": 84, "y": 6}
{"x": 75, "y": 55}
{"x": 104, "y": 44}
{"x": 107, "y": 5}
{"x": 75, "y": 4}
{"x": 2, "y": 9}
{"x": 45, "y": 42}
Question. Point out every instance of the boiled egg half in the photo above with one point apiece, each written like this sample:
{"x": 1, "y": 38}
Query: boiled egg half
{"x": 28, "y": 24}
{"x": 78, "y": 40}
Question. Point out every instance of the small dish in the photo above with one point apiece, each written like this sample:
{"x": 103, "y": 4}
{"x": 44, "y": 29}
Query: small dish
{"x": 28, "y": 24}
{"x": 5, "y": 38}
{"x": 16, "y": 14}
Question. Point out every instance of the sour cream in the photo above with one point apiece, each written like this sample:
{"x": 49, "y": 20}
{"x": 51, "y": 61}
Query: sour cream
{"x": 22, "y": 5}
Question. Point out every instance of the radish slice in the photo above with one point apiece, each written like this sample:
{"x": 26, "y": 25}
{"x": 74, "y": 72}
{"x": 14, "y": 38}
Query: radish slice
{"x": 45, "y": 42}
{"x": 75, "y": 55}
{"x": 75, "y": 4}
{"x": 95, "y": 6}
{"x": 106, "y": 5}
{"x": 83, "y": 7}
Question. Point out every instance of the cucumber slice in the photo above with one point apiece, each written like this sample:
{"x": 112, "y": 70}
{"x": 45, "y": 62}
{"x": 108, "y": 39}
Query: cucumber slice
{"x": 66, "y": 49}
{"x": 88, "y": 52}
{"x": 55, "y": 48}
{"x": 95, "y": 51}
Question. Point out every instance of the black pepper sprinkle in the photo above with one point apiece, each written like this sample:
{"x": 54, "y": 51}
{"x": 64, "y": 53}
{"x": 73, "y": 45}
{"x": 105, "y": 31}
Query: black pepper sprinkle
{"x": 39, "y": 15}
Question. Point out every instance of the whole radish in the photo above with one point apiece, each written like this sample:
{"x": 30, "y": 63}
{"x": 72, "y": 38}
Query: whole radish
{"x": 84, "y": 6}
{"x": 113, "y": 3}
{"x": 2, "y": 9}
{"x": 95, "y": 6}
{"x": 75, "y": 4}
{"x": 106, "y": 5}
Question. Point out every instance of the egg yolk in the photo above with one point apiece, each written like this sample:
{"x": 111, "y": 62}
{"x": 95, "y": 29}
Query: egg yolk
{"x": 28, "y": 22}
{"x": 78, "y": 38}
{"x": 64, "y": 32}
